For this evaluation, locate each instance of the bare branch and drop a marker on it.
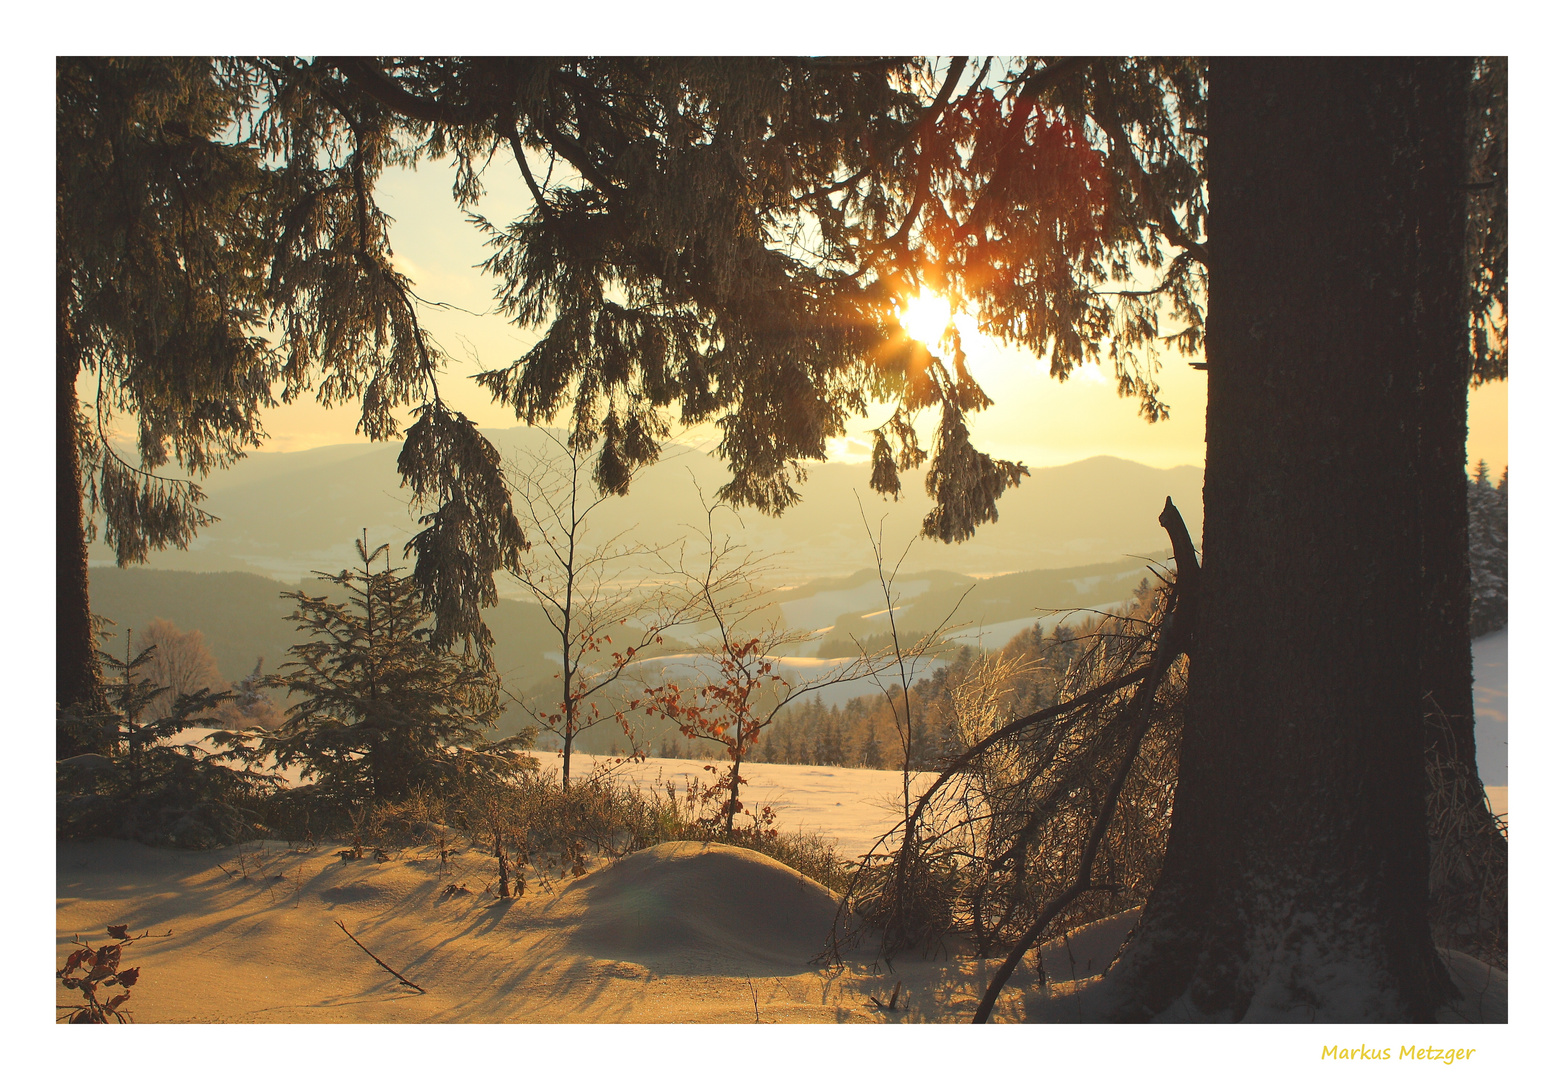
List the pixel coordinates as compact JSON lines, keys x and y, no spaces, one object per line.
{"x":404,"y":980}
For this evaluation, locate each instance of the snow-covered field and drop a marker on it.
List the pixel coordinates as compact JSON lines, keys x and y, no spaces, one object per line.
{"x":854,"y":807}
{"x":1491,"y":703}
{"x":857,"y":806}
{"x":821,"y":610}
{"x":680,"y":933}
{"x":1490,"y":697}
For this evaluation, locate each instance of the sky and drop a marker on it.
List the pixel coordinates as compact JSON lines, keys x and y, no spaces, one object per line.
{"x":1036,"y":420}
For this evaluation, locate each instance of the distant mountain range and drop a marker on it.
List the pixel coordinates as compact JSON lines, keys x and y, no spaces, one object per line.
{"x":285,"y":514}
{"x":1070,"y":537}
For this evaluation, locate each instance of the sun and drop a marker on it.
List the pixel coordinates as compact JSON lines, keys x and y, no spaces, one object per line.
{"x":925,"y":317}
{"x":928,"y":317}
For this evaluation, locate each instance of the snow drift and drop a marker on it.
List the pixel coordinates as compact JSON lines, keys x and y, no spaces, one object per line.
{"x":692,"y":908}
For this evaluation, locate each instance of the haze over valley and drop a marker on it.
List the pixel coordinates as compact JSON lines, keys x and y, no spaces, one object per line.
{"x":1067,"y":543}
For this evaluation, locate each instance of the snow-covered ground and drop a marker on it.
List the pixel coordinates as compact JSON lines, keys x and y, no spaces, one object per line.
{"x":820,"y":610}
{"x":996,"y":635}
{"x":677,"y":934}
{"x":852,"y":806}
{"x":1491,"y":703}
{"x":855,"y":807}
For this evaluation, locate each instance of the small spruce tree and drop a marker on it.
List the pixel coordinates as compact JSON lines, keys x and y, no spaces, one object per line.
{"x":383,"y":711}
{"x":251,"y":706}
{"x":144,"y":786}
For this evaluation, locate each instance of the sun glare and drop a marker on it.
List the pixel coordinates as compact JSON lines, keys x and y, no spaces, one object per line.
{"x":928,"y":316}
{"x":924,"y":317}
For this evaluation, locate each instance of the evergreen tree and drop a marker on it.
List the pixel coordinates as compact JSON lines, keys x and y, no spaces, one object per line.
{"x":1488,"y":531}
{"x":789,"y":745}
{"x":251,"y":706}
{"x":1309,"y":669}
{"x":143,"y":787}
{"x":218,"y":247}
{"x":382,"y":711}
{"x":872,"y":756}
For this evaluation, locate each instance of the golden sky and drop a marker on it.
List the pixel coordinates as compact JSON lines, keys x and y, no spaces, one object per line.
{"x":1036,"y":420}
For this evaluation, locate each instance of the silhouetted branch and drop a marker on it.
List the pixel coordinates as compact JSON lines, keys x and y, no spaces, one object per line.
{"x":1171,"y":642}
{"x":365,"y":76}
{"x":514,"y":135}
{"x":399,"y":976}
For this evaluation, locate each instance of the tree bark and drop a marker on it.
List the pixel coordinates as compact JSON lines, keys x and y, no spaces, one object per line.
{"x":78,"y":679}
{"x":733,"y":787}
{"x":1295,"y":882}
{"x":1445,"y":654}
{"x":1460,"y":822}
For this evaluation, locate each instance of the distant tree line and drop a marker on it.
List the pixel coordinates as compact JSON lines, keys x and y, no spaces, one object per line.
{"x":861,"y":732}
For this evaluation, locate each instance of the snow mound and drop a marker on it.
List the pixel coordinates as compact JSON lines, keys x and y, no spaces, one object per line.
{"x":1485,"y":991}
{"x":693,"y":907}
{"x":1088,"y":950}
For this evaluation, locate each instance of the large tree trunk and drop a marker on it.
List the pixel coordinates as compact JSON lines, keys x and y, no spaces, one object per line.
{"x":1444,"y":642}
{"x":1295,"y":883}
{"x":1460,"y":822}
{"x":77,"y":677}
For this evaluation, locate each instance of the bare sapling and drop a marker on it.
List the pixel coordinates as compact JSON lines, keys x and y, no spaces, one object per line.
{"x":746,"y":691}
{"x":500,"y":823}
{"x":591,"y":592}
{"x":898,"y":693}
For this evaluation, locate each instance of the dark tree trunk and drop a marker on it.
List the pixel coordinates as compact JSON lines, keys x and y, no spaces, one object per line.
{"x":1295,"y":883}
{"x":570,"y":737}
{"x":78,"y":681}
{"x":733,"y":790}
{"x":1463,"y":908}
{"x":1445,"y":640}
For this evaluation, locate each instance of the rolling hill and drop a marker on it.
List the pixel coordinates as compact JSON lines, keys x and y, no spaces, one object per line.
{"x":286,"y":514}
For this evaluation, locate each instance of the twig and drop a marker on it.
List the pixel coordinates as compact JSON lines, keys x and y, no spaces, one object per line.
{"x":399,"y":976}
{"x":895,"y":993}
